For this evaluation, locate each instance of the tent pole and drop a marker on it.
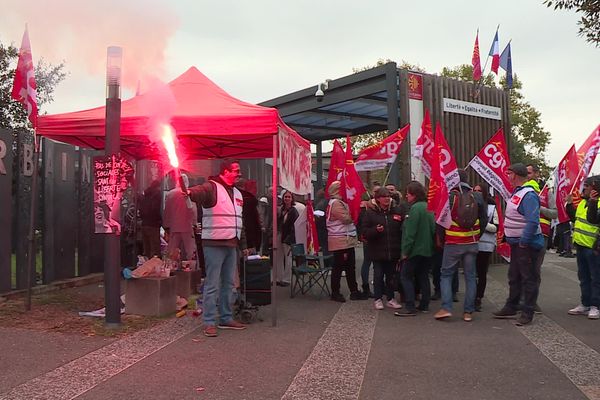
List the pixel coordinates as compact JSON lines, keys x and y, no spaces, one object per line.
{"x":31,"y":248}
{"x":274,"y":251}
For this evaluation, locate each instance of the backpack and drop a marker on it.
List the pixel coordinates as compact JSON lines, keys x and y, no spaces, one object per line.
{"x":465,"y":210}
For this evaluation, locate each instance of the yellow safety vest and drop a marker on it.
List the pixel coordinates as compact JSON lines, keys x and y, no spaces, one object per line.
{"x":584,"y":233}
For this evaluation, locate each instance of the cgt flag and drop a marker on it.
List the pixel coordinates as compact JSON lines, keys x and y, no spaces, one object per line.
{"x":476,"y":60}
{"x":446,"y":160}
{"x":566,"y":172}
{"x":586,"y":155}
{"x":491,"y":163}
{"x":438,"y":198}
{"x":380,"y":154}
{"x":424,"y":145}
{"x":24,"y":87}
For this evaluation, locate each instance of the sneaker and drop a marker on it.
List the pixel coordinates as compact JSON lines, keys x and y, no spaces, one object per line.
{"x":424,"y":310}
{"x":338,"y":297}
{"x":442,"y":314}
{"x":406,"y":313}
{"x":524,"y":319}
{"x":569,"y":255}
{"x":579,"y":310}
{"x":394,"y":304}
{"x":537,"y":309}
{"x":594,"y":313}
{"x":378,"y":304}
{"x":233,"y":324}
{"x":467,"y":317}
{"x":436,"y":296}
{"x":455,"y":298}
{"x":211,"y":331}
{"x":505,"y":313}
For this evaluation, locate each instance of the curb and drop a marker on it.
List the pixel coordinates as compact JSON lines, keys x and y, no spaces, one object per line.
{"x":55,"y":286}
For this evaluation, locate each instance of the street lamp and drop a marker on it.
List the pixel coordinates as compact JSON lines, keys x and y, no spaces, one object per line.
{"x":112,"y":245}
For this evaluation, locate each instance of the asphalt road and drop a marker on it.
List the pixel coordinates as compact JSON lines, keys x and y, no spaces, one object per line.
{"x":323,"y":350}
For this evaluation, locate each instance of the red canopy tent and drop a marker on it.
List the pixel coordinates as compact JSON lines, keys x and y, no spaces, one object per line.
{"x":209,"y":124}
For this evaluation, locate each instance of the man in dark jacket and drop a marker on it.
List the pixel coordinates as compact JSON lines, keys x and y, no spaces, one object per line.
{"x":382,"y":228}
{"x":151,"y":219}
{"x":222,"y":205}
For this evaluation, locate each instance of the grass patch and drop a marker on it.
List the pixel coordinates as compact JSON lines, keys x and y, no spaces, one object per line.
{"x":59,"y":312}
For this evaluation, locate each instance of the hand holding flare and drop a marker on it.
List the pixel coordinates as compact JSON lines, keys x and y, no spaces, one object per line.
{"x":169,"y":142}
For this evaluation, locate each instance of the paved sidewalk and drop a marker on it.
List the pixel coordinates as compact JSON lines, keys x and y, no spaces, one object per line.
{"x":324,"y":350}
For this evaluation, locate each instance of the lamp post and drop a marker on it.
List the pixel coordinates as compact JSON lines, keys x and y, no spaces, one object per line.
{"x":112,"y":246}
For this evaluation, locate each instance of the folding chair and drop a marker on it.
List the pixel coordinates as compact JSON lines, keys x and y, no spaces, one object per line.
{"x":308,"y":271}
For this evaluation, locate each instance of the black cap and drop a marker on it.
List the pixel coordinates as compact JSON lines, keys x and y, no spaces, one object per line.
{"x":519,"y":169}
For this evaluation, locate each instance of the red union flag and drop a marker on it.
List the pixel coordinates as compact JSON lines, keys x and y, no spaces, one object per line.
{"x":312,"y":240}
{"x":24,"y":87}
{"x":476,"y":60}
{"x":438,"y":199}
{"x":566,"y":172}
{"x":446,"y":160}
{"x":337,"y":165}
{"x":352,"y":183}
{"x":586,"y":155}
{"x":502,"y":247}
{"x":380,"y":154}
{"x":424,"y":145}
{"x":491,"y":163}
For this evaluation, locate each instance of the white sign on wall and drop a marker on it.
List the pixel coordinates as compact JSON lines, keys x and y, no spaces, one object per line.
{"x":472,"y":109}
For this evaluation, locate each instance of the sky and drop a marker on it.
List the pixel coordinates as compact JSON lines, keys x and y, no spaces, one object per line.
{"x":258,"y":50}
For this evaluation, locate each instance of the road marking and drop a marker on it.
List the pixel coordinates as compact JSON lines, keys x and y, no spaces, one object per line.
{"x":576,"y":360}
{"x":83,"y":374}
{"x":336,"y":367}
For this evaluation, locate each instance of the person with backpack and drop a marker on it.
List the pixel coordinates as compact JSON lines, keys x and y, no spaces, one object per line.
{"x":469,"y":219}
{"x":487,"y":242}
{"x":523,"y":234}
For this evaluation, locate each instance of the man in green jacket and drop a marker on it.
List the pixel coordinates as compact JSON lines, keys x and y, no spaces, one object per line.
{"x":417,"y":249}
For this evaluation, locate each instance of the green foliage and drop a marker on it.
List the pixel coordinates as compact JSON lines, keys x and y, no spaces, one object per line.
{"x":529,"y":139}
{"x":13,"y":115}
{"x":589,"y":24}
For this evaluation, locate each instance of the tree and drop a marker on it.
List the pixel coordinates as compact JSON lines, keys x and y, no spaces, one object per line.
{"x":529,"y":139}
{"x":13,"y":115}
{"x":589,"y":24}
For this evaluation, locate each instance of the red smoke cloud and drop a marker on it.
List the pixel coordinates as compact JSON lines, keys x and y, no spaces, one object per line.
{"x":79,"y":32}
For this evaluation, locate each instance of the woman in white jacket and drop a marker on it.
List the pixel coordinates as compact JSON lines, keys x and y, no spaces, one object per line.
{"x":487,"y":243}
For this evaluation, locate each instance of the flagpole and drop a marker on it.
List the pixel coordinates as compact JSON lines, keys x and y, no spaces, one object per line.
{"x":388,"y":174}
{"x":577,"y":179}
{"x":486,"y":61}
{"x":31,"y":264}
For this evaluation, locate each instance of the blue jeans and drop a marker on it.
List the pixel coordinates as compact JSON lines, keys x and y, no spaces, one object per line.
{"x":453,"y":254}
{"x":221,"y":266}
{"x":588,"y":272}
{"x":383,"y":269}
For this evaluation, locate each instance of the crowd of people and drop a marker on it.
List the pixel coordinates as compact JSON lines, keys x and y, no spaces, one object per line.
{"x":408,"y":251}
